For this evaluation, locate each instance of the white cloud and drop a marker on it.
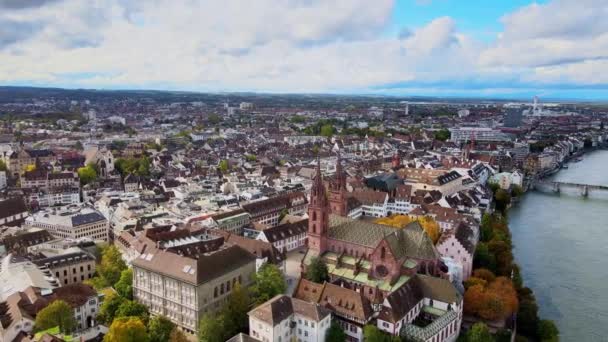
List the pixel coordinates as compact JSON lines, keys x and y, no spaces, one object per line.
{"x":289,"y":46}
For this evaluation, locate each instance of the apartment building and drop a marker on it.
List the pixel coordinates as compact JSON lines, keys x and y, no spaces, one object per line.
{"x":73,"y":266}
{"x":269,"y":211}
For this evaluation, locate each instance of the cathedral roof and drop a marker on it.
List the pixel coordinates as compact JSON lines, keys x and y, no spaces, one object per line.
{"x":411,"y":241}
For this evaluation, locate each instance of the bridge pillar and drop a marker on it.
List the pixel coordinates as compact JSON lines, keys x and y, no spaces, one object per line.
{"x":556,"y":187}
{"x":585,"y":191}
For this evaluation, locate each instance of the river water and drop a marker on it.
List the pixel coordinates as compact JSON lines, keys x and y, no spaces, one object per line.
{"x":561,"y":244}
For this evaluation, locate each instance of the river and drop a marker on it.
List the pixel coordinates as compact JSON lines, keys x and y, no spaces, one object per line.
{"x":561,"y":244}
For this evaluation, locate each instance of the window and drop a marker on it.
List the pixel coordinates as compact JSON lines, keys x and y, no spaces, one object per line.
{"x":382,"y":253}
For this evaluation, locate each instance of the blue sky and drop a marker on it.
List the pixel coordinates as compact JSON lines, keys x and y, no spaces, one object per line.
{"x":499,"y":48}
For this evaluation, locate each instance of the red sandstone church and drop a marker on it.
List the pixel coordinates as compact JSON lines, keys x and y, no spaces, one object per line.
{"x":370,"y":258}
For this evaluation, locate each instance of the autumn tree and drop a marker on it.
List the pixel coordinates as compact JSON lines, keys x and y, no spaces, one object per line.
{"x":57,"y":314}
{"x":474,"y":298}
{"x":178,"y":336}
{"x":127,"y":329}
{"x":484,"y":274}
{"x":317,"y":271}
{"x":267,"y":283}
{"x":160,"y":329}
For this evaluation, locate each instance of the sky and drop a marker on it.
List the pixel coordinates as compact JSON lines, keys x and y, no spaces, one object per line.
{"x":467,"y":48}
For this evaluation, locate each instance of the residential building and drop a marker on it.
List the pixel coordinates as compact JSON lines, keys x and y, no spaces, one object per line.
{"x":284,"y":319}
{"x":286,"y":237}
{"x":71,"y":266}
{"x":13,"y":211}
{"x":269,"y":211}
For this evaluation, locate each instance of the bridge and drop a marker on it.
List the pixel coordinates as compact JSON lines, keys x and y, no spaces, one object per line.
{"x":558,"y":187}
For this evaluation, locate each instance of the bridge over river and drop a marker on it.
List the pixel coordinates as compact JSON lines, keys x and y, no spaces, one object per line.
{"x":584,"y":190}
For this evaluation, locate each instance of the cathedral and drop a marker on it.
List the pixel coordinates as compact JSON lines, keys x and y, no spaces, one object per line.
{"x":369,"y":258}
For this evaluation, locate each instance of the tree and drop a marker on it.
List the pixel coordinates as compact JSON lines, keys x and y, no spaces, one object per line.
{"x":30,"y":168}
{"x":211,"y":329}
{"x":474,"y":298}
{"x":109,"y":307}
{"x":237,"y":307}
{"x":178,"y":336}
{"x":160,"y":329}
{"x":124,"y":286}
{"x":223,"y":166}
{"x":443,"y":134}
{"x":57,"y":314}
{"x":327,"y":130}
{"x":87,"y":174}
{"x":527,"y":316}
{"x":3,"y":165}
{"x":111,"y":265}
{"x":267,"y":283}
{"x":483,"y":258}
{"x":127,"y":329}
{"x":484,"y":274}
{"x":503,"y":199}
{"x":479,"y":332}
{"x":371,"y":333}
{"x":78,"y":145}
{"x":317,"y":271}
{"x":214,"y":119}
{"x":547,"y":331}
{"x":335,"y":333}
{"x":517,"y":191}
{"x":131,"y":308}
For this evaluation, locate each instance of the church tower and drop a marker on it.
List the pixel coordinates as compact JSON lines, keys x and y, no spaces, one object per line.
{"x":318,"y":214}
{"x":337,"y":190}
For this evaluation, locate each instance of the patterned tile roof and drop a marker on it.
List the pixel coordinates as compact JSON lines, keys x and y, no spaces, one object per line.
{"x":411,"y":241}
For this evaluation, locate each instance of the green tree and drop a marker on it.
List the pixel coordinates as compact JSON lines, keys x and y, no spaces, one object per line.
{"x":214,"y":119}
{"x":57,"y":314}
{"x":267,"y":283}
{"x":3,"y":165}
{"x":335,"y":333}
{"x":87,"y":174}
{"x":503,"y":199}
{"x":96,"y":282}
{"x":224,"y":166}
{"x":517,"y":191}
{"x":130,"y":308}
{"x":327,"y":130}
{"x":111,"y":265}
{"x":483,"y":258}
{"x":547,"y":331}
{"x":479,"y":333}
{"x":160,"y":329}
{"x":124,"y":286}
{"x":317,"y":271}
{"x":371,"y":333}
{"x":127,"y":329}
{"x":109,"y":307}
{"x":211,"y":329}
{"x":443,"y":134}
{"x":237,"y":307}
{"x":527,"y":316}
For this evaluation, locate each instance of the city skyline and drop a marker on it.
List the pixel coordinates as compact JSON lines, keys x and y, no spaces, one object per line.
{"x":512,"y":49}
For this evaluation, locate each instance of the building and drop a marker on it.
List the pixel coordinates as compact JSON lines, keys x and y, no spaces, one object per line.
{"x":3,"y":182}
{"x":283,"y":318}
{"x":351,"y":309}
{"x":232,"y":221}
{"x":41,"y":179}
{"x":459,"y":244}
{"x":269,"y":211}
{"x":18,"y":312}
{"x":72,"y":222}
{"x":513,"y":117}
{"x":22,"y":158}
{"x":17,"y":274}
{"x":464,"y":134}
{"x":72,"y":266}
{"x":185,"y":287}
{"x":41,"y":198}
{"x":13,"y":211}
{"x":286,"y":237}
